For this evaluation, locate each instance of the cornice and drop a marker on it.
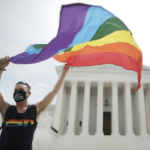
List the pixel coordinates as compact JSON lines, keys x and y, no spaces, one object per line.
{"x":103,"y":67}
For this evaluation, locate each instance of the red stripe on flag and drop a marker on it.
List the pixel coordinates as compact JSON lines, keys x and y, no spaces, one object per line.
{"x":115,"y":58}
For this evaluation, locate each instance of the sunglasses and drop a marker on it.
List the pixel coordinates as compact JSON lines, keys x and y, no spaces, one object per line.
{"x":24,"y":82}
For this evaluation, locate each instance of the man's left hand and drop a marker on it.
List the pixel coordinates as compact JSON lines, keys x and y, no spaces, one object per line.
{"x":66,"y":68}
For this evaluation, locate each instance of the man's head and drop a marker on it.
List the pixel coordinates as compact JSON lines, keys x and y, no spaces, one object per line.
{"x":21,"y":91}
{"x":24,"y":85}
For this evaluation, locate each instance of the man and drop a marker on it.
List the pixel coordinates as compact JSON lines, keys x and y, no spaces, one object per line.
{"x":20,"y":121}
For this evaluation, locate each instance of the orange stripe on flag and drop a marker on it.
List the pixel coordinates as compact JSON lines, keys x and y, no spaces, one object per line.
{"x":119,"y":47}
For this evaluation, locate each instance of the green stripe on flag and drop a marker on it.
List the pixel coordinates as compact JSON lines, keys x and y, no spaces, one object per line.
{"x":111,"y":25}
{"x":39,"y":46}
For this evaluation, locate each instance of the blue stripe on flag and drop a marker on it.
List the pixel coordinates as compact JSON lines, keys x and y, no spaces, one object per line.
{"x":32,"y":50}
{"x":95,"y":17}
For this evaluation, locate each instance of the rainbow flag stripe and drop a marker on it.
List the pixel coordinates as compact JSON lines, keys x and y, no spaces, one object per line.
{"x":88,"y":35}
{"x":20,"y":122}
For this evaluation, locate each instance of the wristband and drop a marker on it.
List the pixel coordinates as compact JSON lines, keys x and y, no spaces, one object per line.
{"x":2,"y":69}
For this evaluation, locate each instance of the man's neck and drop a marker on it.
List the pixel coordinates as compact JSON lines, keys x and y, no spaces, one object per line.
{"x":22,"y":105}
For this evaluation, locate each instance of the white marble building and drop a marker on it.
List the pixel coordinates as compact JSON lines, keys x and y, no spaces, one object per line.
{"x":96,"y":109}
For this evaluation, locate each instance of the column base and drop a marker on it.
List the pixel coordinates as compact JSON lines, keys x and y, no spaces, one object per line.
{"x":85,"y":134}
{"x":115,"y":134}
{"x":69,"y":134}
{"x":130,"y":134}
{"x":99,"y":134}
{"x":145,"y":134}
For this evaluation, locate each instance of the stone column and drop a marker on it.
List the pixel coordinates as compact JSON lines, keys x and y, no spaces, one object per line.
{"x":99,"y":130}
{"x":148,"y":107}
{"x":72,"y":109}
{"x":58,"y":110}
{"x":115,"y":118}
{"x":86,"y":107}
{"x":128,"y":109}
{"x":142,"y":112}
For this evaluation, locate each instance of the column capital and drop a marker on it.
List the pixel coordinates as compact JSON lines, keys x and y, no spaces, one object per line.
{"x":100,"y":82}
{"x":87,"y":82}
{"x":114,"y":82}
{"x":127,"y":83}
{"x":74,"y":81}
{"x":143,"y":84}
{"x":148,"y":85}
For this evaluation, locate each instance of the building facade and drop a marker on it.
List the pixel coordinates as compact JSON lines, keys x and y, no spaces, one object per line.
{"x":96,"y":109}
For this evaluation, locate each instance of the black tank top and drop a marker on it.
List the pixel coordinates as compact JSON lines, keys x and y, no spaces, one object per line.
{"x":18,"y":131}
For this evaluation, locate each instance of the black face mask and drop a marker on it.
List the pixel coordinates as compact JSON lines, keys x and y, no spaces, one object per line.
{"x":19,"y":96}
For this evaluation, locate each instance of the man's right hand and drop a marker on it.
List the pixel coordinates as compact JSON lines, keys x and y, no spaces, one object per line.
{"x":4,"y":62}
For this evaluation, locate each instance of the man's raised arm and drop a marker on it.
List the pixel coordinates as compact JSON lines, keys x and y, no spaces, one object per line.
{"x":3,"y":104}
{"x":42,"y":105}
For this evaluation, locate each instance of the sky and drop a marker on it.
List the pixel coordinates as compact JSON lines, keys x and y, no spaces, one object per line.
{"x":26,"y":22}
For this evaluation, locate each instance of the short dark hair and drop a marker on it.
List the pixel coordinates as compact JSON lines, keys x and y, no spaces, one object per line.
{"x":24,"y":83}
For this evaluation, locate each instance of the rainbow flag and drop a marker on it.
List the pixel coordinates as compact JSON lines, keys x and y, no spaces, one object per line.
{"x":20,"y":122}
{"x":88,"y":35}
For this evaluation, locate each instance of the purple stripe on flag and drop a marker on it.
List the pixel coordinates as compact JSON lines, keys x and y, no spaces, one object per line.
{"x":71,"y":21}
{"x":23,"y":58}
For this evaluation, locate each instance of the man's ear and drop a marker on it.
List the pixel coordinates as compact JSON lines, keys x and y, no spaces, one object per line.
{"x":29,"y":93}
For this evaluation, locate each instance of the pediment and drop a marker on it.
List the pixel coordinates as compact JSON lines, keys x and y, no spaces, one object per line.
{"x":102,"y":67}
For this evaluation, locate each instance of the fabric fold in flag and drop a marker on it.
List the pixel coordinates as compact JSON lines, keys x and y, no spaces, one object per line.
{"x":88,"y":35}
